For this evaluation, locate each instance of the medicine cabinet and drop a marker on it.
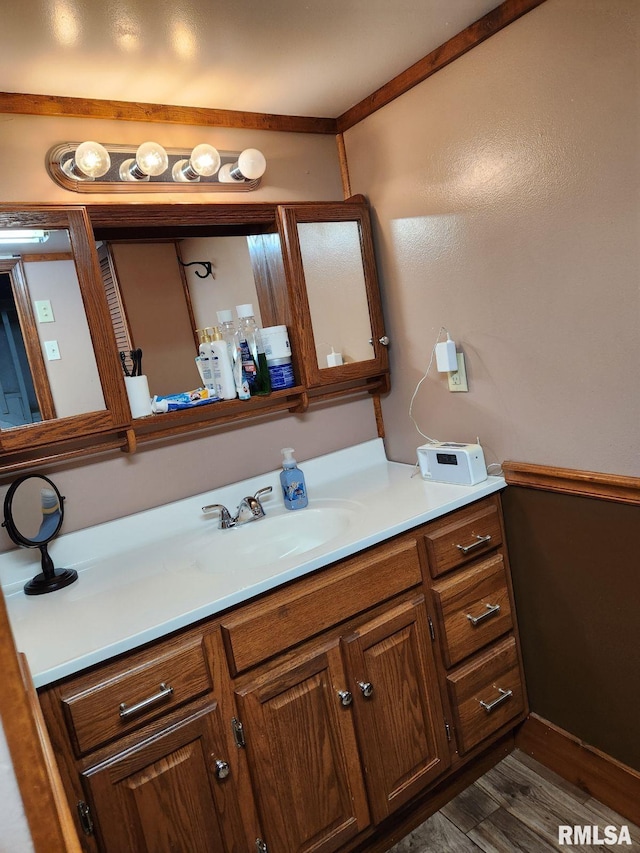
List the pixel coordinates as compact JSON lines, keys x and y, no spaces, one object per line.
{"x":309,"y":266}
{"x":57,"y":382}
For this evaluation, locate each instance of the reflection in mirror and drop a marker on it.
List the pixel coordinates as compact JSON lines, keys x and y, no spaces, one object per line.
{"x":157,"y":303}
{"x":336,"y":290}
{"x":47,"y":365}
{"x":33,"y":515}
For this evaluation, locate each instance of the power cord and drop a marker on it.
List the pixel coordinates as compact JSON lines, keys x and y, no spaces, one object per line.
{"x":426,"y":373}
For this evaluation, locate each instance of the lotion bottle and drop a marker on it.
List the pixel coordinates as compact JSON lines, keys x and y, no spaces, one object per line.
{"x":221,"y":365}
{"x":203,"y":361}
{"x":294,"y":489}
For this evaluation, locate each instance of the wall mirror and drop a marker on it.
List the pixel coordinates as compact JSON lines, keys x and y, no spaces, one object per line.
{"x":47,"y":365}
{"x":308,"y":266}
{"x":57,"y":349}
{"x":161,"y":291}
{"x":336,"y":290}
{"x":33,"y":516}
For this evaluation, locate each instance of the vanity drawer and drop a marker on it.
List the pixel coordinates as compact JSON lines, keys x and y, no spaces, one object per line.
{"x":473,"y":608}
{"x":102,"y":706}
{"x":486,"y":693}
{"x":463,"y":536}
{"x":289,"y":616}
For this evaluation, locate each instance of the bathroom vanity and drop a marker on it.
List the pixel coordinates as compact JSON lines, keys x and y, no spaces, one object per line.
{"x":299,"y":683}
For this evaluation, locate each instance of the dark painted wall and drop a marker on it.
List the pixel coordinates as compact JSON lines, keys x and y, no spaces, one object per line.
{"x":576,"y":574}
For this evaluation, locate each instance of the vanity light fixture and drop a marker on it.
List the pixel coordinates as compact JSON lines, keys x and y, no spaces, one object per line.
{"x":106,"y":168}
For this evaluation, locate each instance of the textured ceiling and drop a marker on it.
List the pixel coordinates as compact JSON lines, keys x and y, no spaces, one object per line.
{"x":292,"y":57}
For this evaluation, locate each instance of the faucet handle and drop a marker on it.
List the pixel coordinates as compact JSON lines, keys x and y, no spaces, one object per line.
{"x":225,"y":516}
{"x":258,"y":509}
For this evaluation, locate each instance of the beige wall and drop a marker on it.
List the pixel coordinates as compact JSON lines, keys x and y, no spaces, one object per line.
{"x":506,"y":198}
{"x":149,"y":278}
{"x":15,"y":834}
{"x":73,"y":378}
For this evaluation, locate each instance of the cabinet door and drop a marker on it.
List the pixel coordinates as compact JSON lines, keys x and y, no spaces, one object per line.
{"x":165,"y":795}
{"x":330,"y":266}
{"x":397,"y":705}
{"x":303,"y":757}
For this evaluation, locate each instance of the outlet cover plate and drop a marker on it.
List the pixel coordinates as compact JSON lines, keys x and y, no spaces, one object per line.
{"x":458,"y":378}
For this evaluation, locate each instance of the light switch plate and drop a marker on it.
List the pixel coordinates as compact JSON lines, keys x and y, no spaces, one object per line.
{"x":52,"y":350}
{"x":44,"y":312}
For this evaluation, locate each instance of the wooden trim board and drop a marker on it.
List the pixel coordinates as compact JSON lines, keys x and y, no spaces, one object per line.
{"x":591,"y":484}
{"x":600,"y":775}
{"x":506,"y":13}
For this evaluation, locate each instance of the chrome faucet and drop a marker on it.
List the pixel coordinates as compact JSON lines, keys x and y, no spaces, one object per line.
{"x":249,"y":509}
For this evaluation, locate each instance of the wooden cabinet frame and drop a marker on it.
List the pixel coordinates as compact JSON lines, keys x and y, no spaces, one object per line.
{"x":280,"y":288}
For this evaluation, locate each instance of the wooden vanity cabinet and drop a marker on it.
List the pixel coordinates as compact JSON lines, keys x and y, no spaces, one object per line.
{"x":306,"y":718}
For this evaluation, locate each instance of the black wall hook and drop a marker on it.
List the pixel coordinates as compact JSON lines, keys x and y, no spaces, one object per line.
{"x":208,"y":266}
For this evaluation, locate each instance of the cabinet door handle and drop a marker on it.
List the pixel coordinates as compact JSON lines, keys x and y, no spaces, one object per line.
{"x":345,"y":697}
{"x":131,"y":710}
{"x":491,"y":610}
{"x":480,"y":540}
{"x":366,"y":687}
{"x":504,"y":696}
{"x":222,"y":768}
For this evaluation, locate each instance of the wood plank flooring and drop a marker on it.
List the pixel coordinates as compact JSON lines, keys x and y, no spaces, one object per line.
{"x":517,"y":807}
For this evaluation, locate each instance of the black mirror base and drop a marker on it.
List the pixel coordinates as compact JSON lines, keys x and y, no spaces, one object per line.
{"x":41,"y":584}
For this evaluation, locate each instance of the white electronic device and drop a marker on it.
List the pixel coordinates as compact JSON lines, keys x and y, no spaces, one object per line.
{"x":450,"y":462}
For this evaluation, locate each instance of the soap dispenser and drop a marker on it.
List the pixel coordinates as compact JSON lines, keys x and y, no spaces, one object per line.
{"x":294,"y":490}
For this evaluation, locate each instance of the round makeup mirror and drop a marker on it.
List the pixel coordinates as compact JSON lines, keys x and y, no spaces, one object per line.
{"x":33,"y":514}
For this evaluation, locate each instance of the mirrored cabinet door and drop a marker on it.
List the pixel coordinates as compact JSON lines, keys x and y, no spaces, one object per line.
{"x":333,"y":282}
{"x":58,"y":378}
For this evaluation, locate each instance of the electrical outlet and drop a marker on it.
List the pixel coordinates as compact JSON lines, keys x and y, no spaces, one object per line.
{"x":52,"y":350}
{"x":44,"y":311}
{"x":458,"y":378}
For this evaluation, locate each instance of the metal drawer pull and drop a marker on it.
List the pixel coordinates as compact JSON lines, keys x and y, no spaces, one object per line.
{"x":163,"y":693}
{"x":480,"y":540}
{"x":366,"y":687}
{"x":492,"y":610}
{"x":504,"y":696}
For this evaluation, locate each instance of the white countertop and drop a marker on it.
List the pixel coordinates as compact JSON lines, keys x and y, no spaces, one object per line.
{"x":151,"y":573}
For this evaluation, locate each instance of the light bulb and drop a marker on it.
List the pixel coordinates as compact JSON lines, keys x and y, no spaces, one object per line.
{"x":250,"y":166}
{"x":91,"y":160}
{"x":204,"y":160}
{"x":152,"y":159}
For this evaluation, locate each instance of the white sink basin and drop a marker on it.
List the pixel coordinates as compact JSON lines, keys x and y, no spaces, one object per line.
{"x":278,"y":536}
{"x":242,"y":550}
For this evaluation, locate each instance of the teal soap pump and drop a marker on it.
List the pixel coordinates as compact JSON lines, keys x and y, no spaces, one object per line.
{"x":294,"y":489}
